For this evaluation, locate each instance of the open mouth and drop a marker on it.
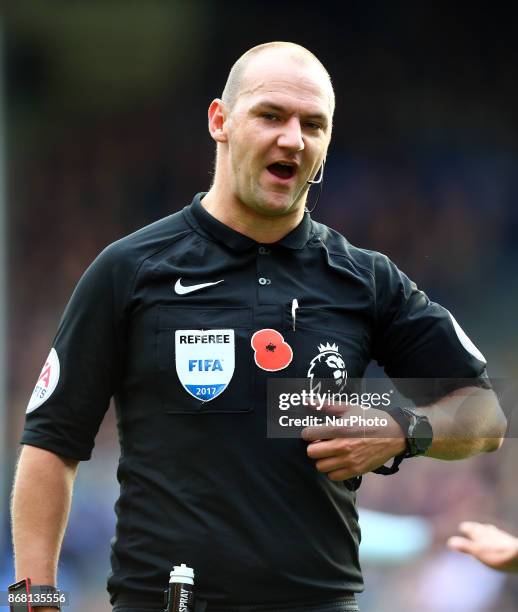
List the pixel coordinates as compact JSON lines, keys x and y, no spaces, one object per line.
{"x":282,"y":171}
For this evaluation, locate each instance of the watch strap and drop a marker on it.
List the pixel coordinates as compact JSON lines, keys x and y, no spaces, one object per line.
{"x":42,"y":590}
{"x":20,"y":588}
{"x":403,"y":420}
{"x":387,"y":470}
{"x":39,"y":595}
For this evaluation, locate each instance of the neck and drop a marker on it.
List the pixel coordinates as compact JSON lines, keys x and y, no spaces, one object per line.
{"x":228,"y":209}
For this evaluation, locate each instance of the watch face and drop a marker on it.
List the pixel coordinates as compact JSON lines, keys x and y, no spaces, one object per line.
{"x":422,"y":435}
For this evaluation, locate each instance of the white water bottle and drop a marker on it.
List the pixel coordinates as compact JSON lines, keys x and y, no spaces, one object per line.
{"x":180,"y":596}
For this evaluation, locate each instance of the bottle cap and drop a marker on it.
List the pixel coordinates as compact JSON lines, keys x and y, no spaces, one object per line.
{"x":182,"y":573}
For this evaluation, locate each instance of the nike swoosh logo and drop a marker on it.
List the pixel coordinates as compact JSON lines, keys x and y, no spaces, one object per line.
{"x":181,"y":290}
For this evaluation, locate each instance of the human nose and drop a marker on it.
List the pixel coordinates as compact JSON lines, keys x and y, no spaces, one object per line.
{"x":291,"y":136}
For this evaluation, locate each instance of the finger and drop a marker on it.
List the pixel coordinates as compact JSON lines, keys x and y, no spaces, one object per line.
{"x":326,"y":448}
{"x":334,"y":409}
{"x":460,"y":544}
{"x":317,"y":432}
{"x":332,"y":464}
{"x":342,"y":474}
{"x":338,"y":409}
{"x":470,"y":528}
{"x":329,"y":432}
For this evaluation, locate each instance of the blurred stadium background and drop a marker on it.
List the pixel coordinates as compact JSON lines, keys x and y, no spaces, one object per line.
{"x":105,"y":130}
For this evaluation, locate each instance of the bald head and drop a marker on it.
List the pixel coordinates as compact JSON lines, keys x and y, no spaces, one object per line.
{"x":276,"y":112}
{"x":237,"y":78}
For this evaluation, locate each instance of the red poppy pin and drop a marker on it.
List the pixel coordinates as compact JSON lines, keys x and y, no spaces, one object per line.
{"x":271,"y":352}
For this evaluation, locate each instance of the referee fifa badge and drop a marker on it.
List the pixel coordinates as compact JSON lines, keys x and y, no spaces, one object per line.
{"x":205,"y":361}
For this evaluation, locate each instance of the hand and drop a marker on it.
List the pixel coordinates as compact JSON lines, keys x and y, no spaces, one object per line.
{"x":342,"y":451}
{"x":490,"y":545}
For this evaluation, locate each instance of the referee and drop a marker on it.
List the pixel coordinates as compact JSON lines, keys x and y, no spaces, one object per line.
{"x":183,"y":323}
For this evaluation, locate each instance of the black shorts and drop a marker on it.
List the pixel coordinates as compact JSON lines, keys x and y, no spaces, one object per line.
{"x":343,"y":604}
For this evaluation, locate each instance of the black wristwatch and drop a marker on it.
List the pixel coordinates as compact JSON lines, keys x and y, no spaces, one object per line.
{"x":418,"y":434}
{"x":24,"y":596}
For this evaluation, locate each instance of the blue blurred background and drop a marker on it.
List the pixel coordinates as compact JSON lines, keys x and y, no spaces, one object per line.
{"x":106,"y":131}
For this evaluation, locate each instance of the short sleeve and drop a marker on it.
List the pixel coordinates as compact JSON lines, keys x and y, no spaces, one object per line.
{"x":83,"y":369}
{"x":416,"y":338}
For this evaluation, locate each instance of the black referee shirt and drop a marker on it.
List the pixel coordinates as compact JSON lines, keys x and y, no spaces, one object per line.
{"x":201,"y":483}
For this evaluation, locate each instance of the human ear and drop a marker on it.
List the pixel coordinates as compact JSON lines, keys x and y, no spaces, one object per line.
{"x":217,"y":120}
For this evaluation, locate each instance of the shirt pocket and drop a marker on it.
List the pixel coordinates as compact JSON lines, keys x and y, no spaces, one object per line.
{"x":329,"y":344}
{"x":204,"y":360}
{"x":327,"y":340}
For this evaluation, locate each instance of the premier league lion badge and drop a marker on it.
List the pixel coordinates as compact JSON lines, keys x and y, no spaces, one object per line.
{"x":328,"y":364}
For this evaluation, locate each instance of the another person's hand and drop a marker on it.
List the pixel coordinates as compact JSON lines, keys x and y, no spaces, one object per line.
{"x":490,"y":545}
{"x":344,"y":451}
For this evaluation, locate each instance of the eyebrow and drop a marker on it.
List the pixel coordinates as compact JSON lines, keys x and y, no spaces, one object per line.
{"x":266,"y":105}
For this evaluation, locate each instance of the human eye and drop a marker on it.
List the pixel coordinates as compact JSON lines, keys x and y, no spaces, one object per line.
{"x":313,"y":125}
{"x":270,"y":116}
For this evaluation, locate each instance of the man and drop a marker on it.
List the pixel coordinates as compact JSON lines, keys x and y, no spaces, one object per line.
{"x":492,"y":546}
{"x":185,"y":321}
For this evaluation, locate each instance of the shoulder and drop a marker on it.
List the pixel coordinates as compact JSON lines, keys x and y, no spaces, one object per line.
{"x":126,"y":255}
{"x":148,"y":240}
{"x":115,"y":269}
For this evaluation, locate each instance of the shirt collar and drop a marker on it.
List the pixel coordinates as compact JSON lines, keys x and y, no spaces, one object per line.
{"x":198,"y":216}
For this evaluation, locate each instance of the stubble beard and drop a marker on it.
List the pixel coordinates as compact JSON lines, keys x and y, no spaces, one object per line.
{"x":266,"y":202}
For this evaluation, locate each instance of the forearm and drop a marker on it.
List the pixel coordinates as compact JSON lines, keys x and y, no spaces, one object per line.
{"x":465,"y":422}
{"x":40,"y":506}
